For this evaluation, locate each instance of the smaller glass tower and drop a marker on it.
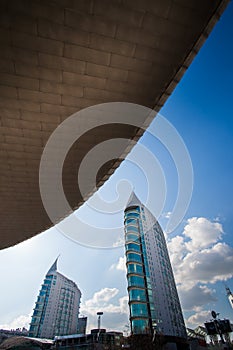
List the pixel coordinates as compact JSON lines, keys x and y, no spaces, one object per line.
{"x":57,"y":306}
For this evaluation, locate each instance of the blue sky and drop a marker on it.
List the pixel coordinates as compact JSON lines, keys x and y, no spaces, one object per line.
{"x":201,"y":110}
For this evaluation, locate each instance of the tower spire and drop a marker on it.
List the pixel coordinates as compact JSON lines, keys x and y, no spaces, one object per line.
{"x":53,"y":268}
{"x":133,"y":200}
{"x":228,"y":290}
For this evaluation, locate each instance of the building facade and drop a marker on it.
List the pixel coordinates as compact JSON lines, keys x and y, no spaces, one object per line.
{"x":153,"y":299}
{"x":57,"y":306}
{"x":82,"y":325}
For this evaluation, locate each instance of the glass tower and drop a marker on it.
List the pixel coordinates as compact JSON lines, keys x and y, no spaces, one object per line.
{"x":57,"y":306}
{"x":153,"y":299}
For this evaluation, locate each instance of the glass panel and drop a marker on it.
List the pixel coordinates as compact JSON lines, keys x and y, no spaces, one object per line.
{"x":133,"y":246}
{"x":136,"y":281}
{"x":140,"y":326}
{"x":131,"y":215}
{"x":131,"y":221}
{"x":138,"y":310}
{"x":137,"y":295}
{"x":135,"y":268}
{"x":131,"y":228}
{"x":132,"y":237}
{"x":133,"y":257}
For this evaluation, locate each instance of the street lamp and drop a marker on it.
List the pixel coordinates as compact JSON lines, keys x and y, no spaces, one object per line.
{"x":99,"y":314}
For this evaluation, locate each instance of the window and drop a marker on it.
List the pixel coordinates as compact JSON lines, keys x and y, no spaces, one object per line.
{"x":137,"y":295}
{"x":133,"y":246}
{"x":140,"y":326}
{"x":131,"y":220}
{"x":132,"y":237}
{"x":135,"y":268}
{"x":133,"y":257}
{"x":138,"y":310}
{"x":136,"y":281}
{"x":132,"y":215}
{"x":131,"y":228}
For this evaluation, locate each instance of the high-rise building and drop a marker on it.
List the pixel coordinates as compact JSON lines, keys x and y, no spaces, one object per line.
{"x":153,"y":299}
{"x":230,"y":296}
{"x":82,"y":325}
{"x":57,"y":306}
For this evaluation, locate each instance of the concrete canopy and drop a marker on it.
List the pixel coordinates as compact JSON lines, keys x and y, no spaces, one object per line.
{"x":60,"y":56}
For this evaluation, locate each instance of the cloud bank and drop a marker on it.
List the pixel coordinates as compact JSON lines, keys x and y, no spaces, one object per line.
{"x":199,"y":259}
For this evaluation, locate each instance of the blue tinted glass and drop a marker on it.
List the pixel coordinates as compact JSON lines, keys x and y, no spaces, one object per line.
{"x":134,"y":268}
{"x":131,"y":215}
{"x":138,"y":310}
{"x":133,"y":257}
{"x":132,"y":237}
{"x":140,"y":326}
{"x":137,"y":295}
{"x":131,"y":229}
{"x":136,"y":281}
{"x":47,"y":281}
{"x":133,"y":246}
{"x":131,"y":221}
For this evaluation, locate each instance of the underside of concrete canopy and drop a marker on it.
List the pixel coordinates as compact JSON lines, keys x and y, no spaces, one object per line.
{"x":60,"y":56}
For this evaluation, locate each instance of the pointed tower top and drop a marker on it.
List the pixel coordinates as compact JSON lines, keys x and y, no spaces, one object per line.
{"x":228,"y":290}
{"x":133,"y":200}
{"x":53,"y":268}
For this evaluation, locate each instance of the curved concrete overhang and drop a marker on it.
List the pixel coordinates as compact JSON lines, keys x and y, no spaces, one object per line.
{"x":60,"y":56}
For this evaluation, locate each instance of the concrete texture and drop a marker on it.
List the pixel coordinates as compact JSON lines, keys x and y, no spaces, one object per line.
{"x":59,"y":56}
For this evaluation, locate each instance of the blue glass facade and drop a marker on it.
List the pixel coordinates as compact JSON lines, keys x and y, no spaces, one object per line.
{"x":140,"y":302}
{"x":153,"y":300}
{"x":40,"y":308}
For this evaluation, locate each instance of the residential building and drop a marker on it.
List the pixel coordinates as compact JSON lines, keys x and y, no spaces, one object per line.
{"x":82,"y":325}
{"x":57,"y":306}
{"x":153,"y":300}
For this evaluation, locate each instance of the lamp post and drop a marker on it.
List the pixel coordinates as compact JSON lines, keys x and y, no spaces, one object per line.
{"x":99,"y":314}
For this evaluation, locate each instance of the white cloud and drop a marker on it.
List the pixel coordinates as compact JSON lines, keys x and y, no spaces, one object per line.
{"x":115,"y":310}
{"x":199,"y":257}
{"x":120,"y":242}
{"x":198,"y":318}
{"x":167,"y":215}
{"x":204,"y":266}
{"x":195,"y":297}
{"x":19,"y":322}
{"x":202,"y":233}
{"x":120,"y":265}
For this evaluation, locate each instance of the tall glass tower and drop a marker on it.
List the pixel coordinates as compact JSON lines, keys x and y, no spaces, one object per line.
{"x":57,"y":306}
{"x":153,"y":299}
